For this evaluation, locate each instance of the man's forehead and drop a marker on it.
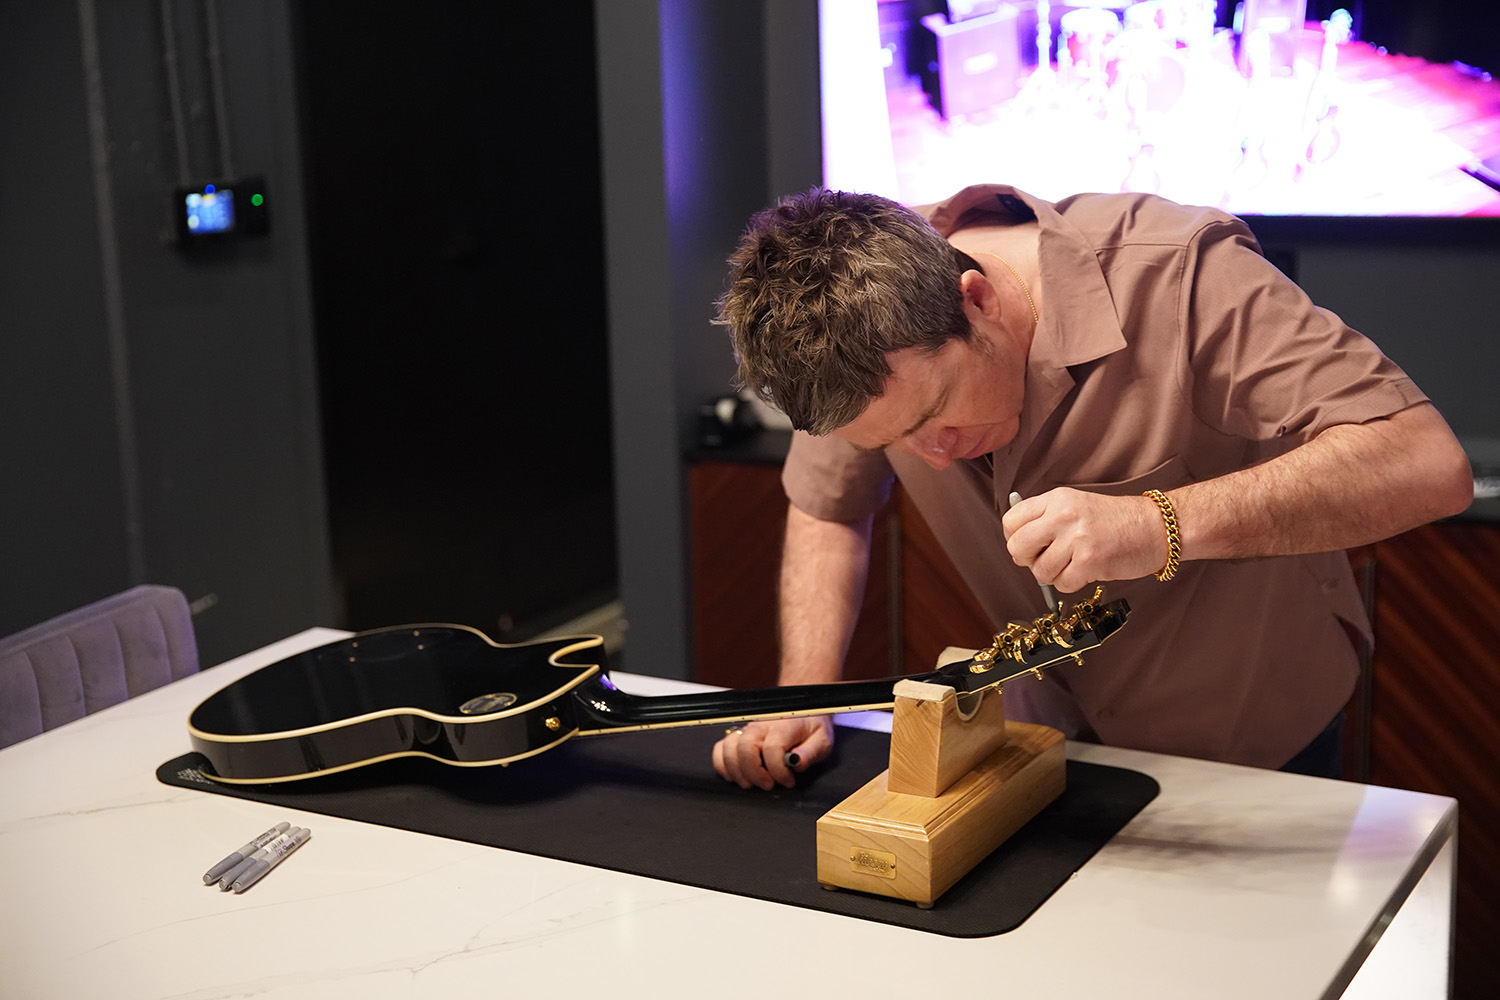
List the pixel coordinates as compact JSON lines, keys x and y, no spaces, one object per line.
{"x":915,"y":391}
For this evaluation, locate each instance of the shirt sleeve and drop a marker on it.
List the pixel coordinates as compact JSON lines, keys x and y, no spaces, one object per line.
{"x":830,"y":479}
{"x":1266,"y":362}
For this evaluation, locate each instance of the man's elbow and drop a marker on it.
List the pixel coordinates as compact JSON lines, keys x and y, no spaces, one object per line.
{"x":1442,"y":481}
{"x":1453,"y":483}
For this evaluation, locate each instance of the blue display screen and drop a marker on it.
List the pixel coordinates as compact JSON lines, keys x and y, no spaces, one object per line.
{"x":210,"y":211}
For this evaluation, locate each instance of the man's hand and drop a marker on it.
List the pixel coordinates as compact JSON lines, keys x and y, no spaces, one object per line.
{"x":1071,"y":539}
{"x":755,"y":756}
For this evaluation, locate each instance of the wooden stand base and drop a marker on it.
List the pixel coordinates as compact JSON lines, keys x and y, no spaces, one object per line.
{"x":916,"y":846}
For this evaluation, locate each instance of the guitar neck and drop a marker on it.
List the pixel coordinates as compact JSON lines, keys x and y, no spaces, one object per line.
{"x":1020,"y":649}
{"x":605,"y":709}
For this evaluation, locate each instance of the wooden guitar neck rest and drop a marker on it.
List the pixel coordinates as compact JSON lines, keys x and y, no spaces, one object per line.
{"x":960,"y":782}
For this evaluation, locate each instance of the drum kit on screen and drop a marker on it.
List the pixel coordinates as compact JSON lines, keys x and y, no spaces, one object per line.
{"x":1181,"y":94}
{"x":1141,"y":51}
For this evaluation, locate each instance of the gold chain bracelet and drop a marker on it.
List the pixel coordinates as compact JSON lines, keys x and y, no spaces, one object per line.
{"x":1174,"y":540}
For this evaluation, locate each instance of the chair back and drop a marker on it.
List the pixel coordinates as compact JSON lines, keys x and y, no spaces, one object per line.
{"x":93,"y":657}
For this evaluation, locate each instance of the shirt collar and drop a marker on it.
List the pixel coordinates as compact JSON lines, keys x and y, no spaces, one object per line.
{"x":1079,"y":322}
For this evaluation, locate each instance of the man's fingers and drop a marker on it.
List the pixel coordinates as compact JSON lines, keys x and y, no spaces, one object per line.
{"x":727,"y":759}
{"x":783,"y":762}
{"x":766,"y":754}
{"x":1019,"y":516}
{"x":1028,"y":544}
{"x":747,"y":749}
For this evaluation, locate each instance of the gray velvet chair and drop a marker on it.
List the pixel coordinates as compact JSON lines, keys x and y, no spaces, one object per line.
{"x":94,"y":657}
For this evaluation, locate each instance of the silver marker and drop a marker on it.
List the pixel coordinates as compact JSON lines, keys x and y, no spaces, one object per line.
{"x":227,"y":880}
{"x":276,"y":852}
{"x":1048,"y":594}
{"x":217,"y":871}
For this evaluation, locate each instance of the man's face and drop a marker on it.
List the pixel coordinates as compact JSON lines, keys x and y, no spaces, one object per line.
{"x":962,"y":402}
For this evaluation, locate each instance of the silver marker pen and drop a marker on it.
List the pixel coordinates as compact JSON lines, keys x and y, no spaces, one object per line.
{"x":217,"y":871}
{"x":277,"y":851}
{"x":1048,"y":594}
{"x":227,"y":880}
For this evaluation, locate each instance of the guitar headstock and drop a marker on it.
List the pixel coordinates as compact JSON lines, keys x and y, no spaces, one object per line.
{"x":1026,"y":647}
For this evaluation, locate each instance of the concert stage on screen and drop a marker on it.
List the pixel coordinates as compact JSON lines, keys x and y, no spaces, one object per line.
{"x":1285,"y":116}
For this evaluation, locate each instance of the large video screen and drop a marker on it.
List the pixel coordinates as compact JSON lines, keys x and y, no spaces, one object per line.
{"x":1275,"y":113}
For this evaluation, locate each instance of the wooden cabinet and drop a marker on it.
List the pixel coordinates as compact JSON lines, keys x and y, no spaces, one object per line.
{"x":914,"y":603}
{"x":1435,"y":708}
{"x":738,"y":522}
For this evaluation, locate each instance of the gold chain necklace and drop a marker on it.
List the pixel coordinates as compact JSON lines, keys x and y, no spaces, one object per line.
{"x":1036,"y":320}
{"x":1035,"y":317}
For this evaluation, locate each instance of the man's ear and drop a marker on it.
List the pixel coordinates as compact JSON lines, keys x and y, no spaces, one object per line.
{"x":979,"y":293}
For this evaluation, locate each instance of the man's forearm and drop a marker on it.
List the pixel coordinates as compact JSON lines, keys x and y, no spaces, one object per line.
{"x":1351,"y":485}
{"x":823,"y":570}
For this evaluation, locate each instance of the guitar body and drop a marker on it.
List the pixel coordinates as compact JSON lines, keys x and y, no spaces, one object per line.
{"x":440,"y":691}
{"x":449,"y":693}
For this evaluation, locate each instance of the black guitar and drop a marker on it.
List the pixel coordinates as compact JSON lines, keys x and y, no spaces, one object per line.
{"x":448,"y":692}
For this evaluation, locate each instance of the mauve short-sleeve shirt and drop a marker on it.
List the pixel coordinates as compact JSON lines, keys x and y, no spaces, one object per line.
{"x":1170,"y":351}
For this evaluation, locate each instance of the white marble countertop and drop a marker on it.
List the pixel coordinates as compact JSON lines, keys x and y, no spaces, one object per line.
{"x":1233,"y":882}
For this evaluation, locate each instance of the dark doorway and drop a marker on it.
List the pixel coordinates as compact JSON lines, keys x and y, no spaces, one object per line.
{"x":453,"y":192}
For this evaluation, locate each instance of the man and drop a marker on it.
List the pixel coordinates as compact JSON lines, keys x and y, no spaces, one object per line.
{"x":1084,"y":354}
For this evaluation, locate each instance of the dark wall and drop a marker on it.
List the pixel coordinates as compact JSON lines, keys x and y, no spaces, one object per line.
{"x":159,"y":419}
{"x":691,"y":147}
{"x":1433,"y":308}
{"x":59,"y":443}
{"x":452,"y":157}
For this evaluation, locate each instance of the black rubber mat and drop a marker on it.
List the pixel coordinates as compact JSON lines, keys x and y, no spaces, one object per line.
{"x":649,"y":804}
